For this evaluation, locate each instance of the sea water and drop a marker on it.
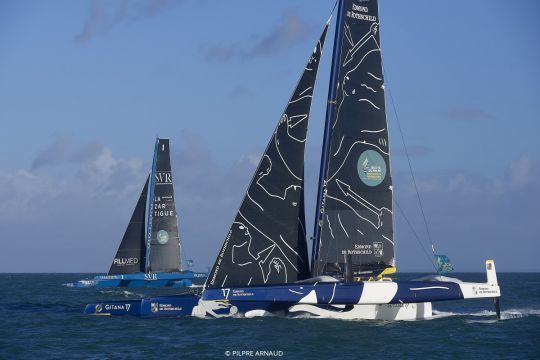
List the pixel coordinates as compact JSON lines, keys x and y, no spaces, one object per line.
{"x":41,"y":316}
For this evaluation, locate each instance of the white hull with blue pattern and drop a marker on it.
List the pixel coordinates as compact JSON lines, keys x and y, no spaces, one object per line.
{"x":383,"y":299}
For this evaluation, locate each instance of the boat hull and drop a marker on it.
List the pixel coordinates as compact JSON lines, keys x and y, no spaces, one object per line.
{"x":248,"y":309}
{"x":169,"y":306}
{"x":376,"y":292}
{"x":387,"y":300}
{"x":160,"y":306}
{"x":114,"y":308}
{"x":174,"y":280}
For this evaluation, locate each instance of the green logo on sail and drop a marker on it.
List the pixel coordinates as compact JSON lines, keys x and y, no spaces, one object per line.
{"x":162,"y":237}
{"x":371,"y":168}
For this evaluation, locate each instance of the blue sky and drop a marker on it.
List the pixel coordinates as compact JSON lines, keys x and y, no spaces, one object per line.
{"x":85,"y":86}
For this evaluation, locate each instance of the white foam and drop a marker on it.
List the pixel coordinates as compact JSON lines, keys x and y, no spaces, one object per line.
{"x":125,"y":293}
{"x":505,"y":314}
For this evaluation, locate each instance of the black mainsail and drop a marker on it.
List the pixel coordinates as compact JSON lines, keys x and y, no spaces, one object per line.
{"x":163,"y":243}
{"x":266,"y":243}
{"x":130,"y":257}
{"x":354,"y":221}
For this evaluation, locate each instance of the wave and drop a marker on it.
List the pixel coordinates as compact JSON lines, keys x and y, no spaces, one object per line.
{"x":124,"y":293}
{"x":507,"y":314}
{"x":69,"y":284}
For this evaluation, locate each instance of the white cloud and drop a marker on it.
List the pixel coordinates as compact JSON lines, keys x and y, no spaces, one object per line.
{"x":23,"y":191}
{"x":515,"y":176}
{"x":59,"y":175}
{"x":519,"y":172}
{"x":252,"y":159}
{"x":105,"y":15}
{"x":289,"y":31}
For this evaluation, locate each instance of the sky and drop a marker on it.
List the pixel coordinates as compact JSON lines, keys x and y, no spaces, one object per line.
{"x":86,"y":86}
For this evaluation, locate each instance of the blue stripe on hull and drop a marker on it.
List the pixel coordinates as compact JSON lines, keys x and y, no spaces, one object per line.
{"x":336,"y":293}
{"x":422,"y":291}
{"x":176,"y":280}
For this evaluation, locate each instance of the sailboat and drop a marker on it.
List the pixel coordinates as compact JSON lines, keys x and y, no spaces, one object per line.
{"x":149,"y":253}
{"x":263,"y":266}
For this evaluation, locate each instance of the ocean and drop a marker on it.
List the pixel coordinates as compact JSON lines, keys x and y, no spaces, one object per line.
{"x":42,"y":317}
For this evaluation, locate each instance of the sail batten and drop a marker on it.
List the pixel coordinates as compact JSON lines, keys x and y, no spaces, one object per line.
{"x":354,"y":219}
{"x":266,"y":243}
{"x":131,"y":255}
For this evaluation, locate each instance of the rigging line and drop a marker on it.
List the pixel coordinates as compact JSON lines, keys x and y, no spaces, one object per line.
{"x":334,"y":8}
{"x":410,"y":166}
{"x":180,"y":252}
{"x":415,"y":234}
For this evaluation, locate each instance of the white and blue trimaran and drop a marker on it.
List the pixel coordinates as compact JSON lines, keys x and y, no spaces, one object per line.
{"x":263,"y":266}
{"x":149,"y":254}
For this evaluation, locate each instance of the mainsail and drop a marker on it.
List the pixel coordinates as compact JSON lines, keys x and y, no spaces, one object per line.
{"x":354,"y":221}
{"x":266,"y":243}
{"x":130,"y":257}
{"x":162,"y":239}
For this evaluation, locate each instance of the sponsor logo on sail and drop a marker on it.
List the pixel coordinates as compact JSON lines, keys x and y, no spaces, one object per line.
{"x":125,"y":261}
{"x":162,"y":237}
{"x":359,"y":249}
{"x":160,"y":210}
{"x":378,"y":249}
{"x":371,"y":168}
{"x":360,"y":13}
{"x":163,"y":178}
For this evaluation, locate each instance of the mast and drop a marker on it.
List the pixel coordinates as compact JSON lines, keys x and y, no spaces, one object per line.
{"x":150,"y":207}
{"x":354,"y":219}
{"x":332,"y":88}
{"x":163,"y":240}
{"x":131,"y":254}
{"x":266,"y":243}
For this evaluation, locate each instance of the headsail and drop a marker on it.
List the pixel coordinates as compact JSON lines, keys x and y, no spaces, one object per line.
{"x":162,"y":239}
{"x":354,"y":222}
{"x":130,"y":257}
{"x":266,"y":243}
